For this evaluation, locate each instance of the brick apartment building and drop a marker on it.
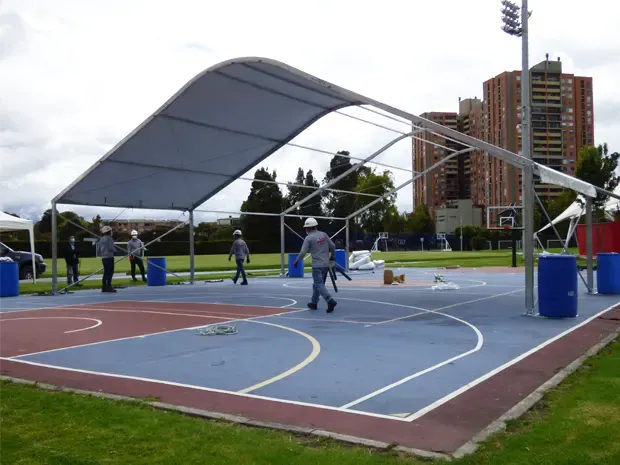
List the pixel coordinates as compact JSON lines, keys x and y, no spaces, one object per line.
{"x":562,"y":122}
{"x":561,"y":118}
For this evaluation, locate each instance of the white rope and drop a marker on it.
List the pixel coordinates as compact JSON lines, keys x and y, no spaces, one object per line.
{"x":218,"y":330}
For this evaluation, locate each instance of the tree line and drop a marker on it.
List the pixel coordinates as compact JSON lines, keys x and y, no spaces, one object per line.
{"x":266,"y":196}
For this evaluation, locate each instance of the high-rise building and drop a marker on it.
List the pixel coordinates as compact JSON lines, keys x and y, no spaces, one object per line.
{"x":471,"y":168}
{"x":562,"y":123}
{"x":441,"y":184}
{"x":561,"y":119}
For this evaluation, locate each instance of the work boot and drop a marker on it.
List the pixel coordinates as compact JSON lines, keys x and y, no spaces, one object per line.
{"x":312,"y":306}
{"x":244,"y":283}
{"x":331,"y":305}
{"x":233,"y":280}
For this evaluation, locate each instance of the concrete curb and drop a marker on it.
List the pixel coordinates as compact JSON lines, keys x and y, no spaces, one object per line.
{"x":238,"y":419}
{"x":530,"y":401}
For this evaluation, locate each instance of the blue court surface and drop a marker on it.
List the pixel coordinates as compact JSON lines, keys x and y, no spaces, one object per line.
{"x":395,"y":352}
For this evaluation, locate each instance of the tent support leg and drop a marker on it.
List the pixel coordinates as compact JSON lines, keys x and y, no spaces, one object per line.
{"x":282,"y":248}
{"x":191,"y":247}
{"x":589,"y":245}
{"x":347,"y":247}
{"x":54,"y":249}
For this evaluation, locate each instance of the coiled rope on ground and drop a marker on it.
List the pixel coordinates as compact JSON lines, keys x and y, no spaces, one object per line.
{"x":218,"y":330}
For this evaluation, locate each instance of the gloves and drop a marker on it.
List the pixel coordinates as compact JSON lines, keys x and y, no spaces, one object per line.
{"x":228,"y":258}
{"x":248,"y":259}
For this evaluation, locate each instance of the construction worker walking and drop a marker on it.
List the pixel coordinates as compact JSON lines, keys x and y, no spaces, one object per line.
{"x":321,"y":248}
{"x":135,"y":249}
{"x":106,"y":252}
{"x":241,"y":252}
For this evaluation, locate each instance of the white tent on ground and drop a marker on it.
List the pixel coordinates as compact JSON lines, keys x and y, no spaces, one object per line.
{"x":12,"y":223}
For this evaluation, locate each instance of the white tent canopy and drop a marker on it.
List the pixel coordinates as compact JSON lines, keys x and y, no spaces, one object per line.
{"x":12,"y":223}
{"x":577,"y":209}
{"x":225,"y":121}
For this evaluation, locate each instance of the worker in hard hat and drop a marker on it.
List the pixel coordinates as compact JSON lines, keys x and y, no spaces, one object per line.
{"x":106,"y":252}
{"x":241,"y":252}
{"x":135,"y":250}
{"x":321,"y":248}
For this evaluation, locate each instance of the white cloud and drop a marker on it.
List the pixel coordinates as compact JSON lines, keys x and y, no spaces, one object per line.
{"x":76,"y":76}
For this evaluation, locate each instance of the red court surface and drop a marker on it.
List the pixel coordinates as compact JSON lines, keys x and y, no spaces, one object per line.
{"x":443,"y":429}
{"x":31,"y":331}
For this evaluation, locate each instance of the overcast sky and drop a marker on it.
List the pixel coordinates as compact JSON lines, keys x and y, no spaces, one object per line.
{"x":77,"y":75}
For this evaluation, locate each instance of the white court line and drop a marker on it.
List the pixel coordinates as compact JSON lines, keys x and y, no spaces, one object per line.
{"x":450,"y":306}
{"x":190,"y":386}
{"x":202,"y":388}
{"x":491,"y":373}
{"x":98,"y":322}
{"x":478,"y":346}
{"x":140,"y":336}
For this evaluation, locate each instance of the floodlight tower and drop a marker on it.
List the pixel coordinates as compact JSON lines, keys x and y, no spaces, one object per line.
{"x":516,"y":24}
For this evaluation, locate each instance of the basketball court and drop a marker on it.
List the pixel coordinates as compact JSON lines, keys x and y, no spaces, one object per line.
{"x":422,"y":368}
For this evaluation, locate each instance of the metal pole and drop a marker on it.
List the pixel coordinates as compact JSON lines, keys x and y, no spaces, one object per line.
{"x":528,"y":239}
{"x":589,"y":247}
{"x":191,"y":247}
{"x":351,"y":170}
{"x":282,"y":246}
{"x":346,"y":242}
{"x":54,"y":249}
{"x":409,"y":181}
{"x":527,"y":180}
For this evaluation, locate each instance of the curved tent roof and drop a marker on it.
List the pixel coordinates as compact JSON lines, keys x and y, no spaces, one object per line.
{"x":222,"y":123}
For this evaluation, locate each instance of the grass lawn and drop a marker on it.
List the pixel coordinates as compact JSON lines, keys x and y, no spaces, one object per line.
{"x":577,"y":423}
{"x":263,"y":261}
{"x":31,"y":288}
{"x":214,"y":263}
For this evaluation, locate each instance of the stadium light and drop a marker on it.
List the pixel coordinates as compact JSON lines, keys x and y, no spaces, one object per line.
{"x":515,"y":21}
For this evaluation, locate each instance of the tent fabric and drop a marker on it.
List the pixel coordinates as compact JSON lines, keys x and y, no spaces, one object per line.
{"x":221,"y":124}
{"x":12,"y":223}
{"x":577,"y":208}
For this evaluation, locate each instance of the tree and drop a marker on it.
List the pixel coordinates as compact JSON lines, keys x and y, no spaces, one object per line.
{"x":557,"y":206}
{"x":339,"y":204}
{"x":598,"y":167}
{"x":395,"y":222}
{"x":311,"y":208}
{"x":369,"y":182}
{"x":421,"y":221}
{"x":263,"y":198}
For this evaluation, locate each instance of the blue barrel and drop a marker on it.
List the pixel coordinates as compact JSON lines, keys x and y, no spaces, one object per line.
{"x":295,"y":271}
{"x":341,"y":258}
{"x":608,"y":273}
{"x":9,"y":279}
{"x":156,"y":275}
{"x":557,"y":286}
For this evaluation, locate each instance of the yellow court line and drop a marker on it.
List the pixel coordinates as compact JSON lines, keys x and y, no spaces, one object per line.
{"x":316,"y":349}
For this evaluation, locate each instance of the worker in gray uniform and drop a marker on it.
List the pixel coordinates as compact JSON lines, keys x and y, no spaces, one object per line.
{"x":322,"y":249}
{"x":135,"y":247}
{"x":241,"y":252}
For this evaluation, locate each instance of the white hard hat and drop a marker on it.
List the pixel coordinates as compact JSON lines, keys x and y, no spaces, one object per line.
{"x":105,"y":229}
{"x":310,"y":223}
{"x":237,"y":233}
{"x":134,"y":233}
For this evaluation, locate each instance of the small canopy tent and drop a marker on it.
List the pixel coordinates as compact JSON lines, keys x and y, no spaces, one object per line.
{"x":12,"y":223}
{"x":577,"y":209}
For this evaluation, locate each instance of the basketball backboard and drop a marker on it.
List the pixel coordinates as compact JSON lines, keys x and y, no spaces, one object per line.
{"x":505,"y":217}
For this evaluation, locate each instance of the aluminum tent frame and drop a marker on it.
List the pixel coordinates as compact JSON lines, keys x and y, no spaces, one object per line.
{"x":230,"y":118}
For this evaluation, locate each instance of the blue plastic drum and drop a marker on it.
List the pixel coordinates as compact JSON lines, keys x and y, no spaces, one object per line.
{"x":557,"y":286}
{"x":156,"y":275}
